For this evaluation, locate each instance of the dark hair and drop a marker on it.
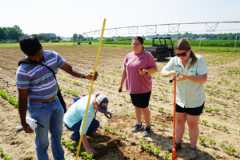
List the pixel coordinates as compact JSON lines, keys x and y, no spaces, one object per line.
{"x":140,"y":39}
{"x":183,"y":44}
{"x":30,"y":45}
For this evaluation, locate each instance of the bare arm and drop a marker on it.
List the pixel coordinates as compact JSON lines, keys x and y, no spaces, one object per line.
{"x":149,"y":71}
{"x":198,"y":79}
{"x":168,"y":73}
{"x":122,"y":80}
{"x":69,"y":69}
{"x":87,"y":145}
{"x":22,"y":108}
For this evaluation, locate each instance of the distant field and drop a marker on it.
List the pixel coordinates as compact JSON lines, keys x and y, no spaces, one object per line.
{"x":207,"y":48}
{"x":204,"y":43}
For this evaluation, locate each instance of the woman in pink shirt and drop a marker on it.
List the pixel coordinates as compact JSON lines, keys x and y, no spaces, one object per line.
{"x":138,"y":67}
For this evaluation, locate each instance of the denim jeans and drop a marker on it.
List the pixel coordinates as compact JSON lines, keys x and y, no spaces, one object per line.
{"x":50,"y":115}
{"x":76,"y":129}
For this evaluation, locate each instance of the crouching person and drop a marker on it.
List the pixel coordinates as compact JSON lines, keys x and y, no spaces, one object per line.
{"x":74,"y":116}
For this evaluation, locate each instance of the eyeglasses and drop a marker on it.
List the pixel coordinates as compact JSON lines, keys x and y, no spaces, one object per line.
{"x":183,"y":54}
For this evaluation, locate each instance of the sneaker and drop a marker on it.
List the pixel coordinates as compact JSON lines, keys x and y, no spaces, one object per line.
{"x":178,"y":146}
{"x":193,"y":153}
{"x":147,"y":131}
{"x":137,"y":128}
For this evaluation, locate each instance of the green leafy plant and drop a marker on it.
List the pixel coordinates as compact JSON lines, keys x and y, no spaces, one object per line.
{"x":221,"y":128}
{"x":205,"y":123}
{"x":212,"y":110}
{"x":229,"y":149}
{"x":7,"y":96}
{"x":167,"y":156}
{"x":207,"y":142}
{"x":71,"y":92}
{"x":161,"y":110}
{"x":71,"y":146}
{"x":4,"y":156}
{"x":150,"y":148}
{"x":86,"y":156}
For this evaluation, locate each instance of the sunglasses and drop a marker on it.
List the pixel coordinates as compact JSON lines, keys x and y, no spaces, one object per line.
{"x":183,"y":54}
{"x":136,"y":44}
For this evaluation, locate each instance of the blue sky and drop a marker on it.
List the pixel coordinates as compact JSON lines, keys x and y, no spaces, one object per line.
{"x":66,"y":17}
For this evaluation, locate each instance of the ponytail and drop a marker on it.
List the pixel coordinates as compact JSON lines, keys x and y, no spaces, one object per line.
{"x":193,"y":59}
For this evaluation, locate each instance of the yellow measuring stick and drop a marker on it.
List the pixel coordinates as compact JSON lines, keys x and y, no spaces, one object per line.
{"x":90,"y":89}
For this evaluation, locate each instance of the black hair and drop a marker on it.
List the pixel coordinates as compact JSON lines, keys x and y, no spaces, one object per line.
{"x":140,"y":39}
{"x":30,"y":45}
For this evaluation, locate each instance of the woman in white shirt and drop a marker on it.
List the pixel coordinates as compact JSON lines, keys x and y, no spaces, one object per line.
{"x":190,"y":71}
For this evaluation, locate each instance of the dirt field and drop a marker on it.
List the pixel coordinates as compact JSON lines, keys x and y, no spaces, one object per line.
{"x":220,"y":124}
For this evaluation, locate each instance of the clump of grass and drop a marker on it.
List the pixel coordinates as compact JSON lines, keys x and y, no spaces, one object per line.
{"x":161,"y":110}
{"x":8,"y":97}
{"x":71,"y":146}
{"x":4,"y":156}
{"x":113,"y":131}
{"x":212,"y":110}
{"x":150,"y":148}
{"x":205,"y":123}
{"x":221,"y":128}
{"x":234,"y":71}
{"x":229,"y":149}
{"x":167,"y":156}
{"x":203,"y":141}
{"x":71,"y":92}
{"x":110,"y":130}
{"x":155,"y":150}
{"x":207,"y":142}
{"x":86,"y":156}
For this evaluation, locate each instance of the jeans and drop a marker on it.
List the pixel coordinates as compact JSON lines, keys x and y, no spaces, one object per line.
{"x":50,"y":115}
{"x":76,"y":129}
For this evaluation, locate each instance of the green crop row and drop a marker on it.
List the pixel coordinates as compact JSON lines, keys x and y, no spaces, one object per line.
{"x":71,"y":146}
{"x":8,"y":97}
{"x":155,"y":150}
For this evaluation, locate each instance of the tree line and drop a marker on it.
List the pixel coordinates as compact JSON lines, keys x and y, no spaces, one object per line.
{"x":12,"y":34}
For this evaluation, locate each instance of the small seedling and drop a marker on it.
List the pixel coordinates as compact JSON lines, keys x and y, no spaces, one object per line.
{"x":7,"y":96}
{"x":161,"y":110}
{"x":207,"y":142}
{"x":4,"y":156}
{"x":205,"y":123}
{"x":212,"y":110}
{"x":150,"y":148}
{"x":229,"y":149}
{"x":71,"y":146}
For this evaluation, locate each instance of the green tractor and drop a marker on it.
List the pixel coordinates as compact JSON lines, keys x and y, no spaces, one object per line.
{"x":162,"y":48}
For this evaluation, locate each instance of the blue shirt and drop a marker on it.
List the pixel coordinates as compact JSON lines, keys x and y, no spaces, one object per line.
{"x":39,"y":80}
{"x":76,"y":112}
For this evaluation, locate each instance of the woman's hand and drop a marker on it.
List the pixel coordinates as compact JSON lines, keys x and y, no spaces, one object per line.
{"x":122,"y":80}
{"x":142,"y":72}
{"x":120,"y":89}
{"x":181,"y":77}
